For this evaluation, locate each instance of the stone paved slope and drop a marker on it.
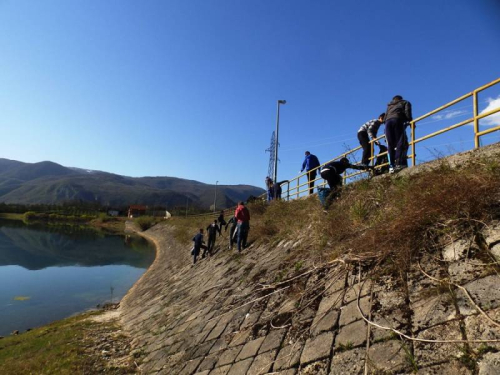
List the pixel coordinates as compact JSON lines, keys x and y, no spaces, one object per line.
{"x":236,"y":314}
{"x":219,"y":317}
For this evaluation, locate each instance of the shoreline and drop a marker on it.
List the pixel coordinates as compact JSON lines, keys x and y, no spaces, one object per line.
{"x":131,"y":229}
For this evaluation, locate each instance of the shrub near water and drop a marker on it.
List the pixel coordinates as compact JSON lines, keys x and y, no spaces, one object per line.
{"x":145,"y":222}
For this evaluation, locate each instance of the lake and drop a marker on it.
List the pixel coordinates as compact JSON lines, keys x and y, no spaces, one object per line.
{"x":51,"y":272}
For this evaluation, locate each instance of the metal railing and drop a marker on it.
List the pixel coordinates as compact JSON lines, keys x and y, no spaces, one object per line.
{"x":293,"y":186}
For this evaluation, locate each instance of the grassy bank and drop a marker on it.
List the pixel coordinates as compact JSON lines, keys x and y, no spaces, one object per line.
{"x":388,"y":220}
{"x":66,"y":347}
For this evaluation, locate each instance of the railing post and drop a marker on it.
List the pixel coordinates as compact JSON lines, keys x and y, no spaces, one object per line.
{"x":298,"y":183}
{"x":372,"y":148}
{"x":413,"y":144}
{"x":288,"y":192}
{"x":476,"y":121}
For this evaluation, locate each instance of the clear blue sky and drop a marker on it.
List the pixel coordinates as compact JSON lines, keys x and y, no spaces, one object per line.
{"x":189,"y":88}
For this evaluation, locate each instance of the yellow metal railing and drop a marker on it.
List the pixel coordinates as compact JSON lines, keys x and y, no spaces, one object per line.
{"x":294,"y":185}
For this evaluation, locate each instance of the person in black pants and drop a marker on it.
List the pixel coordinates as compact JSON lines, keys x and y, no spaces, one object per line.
{"x":198,"y":245}
{"x":232,"y":230}
{"x":222,"y":222}
{"x":332,"y":172}
{"x":366,"y":132}
{"x":397,"y":114}
{"x":310,"y":163}
{"x":212,"y":230}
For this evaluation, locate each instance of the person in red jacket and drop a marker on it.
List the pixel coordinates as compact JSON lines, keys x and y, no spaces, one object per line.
{"x":242,"y":215}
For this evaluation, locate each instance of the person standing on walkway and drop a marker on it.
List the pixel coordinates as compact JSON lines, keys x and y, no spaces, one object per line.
{"x":212,"y":230}
{"x":366,"y":132}
{"x":310,"y":164}
{"x":243,"y":217}
{"x":198,"y":245}
{"x":270,"y":189}
{"x":397,"y":114}
{"x":277,"y":190}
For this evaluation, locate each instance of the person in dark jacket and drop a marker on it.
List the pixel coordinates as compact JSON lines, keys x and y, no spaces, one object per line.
{"x":310,"y":164}
{"x":369,"y":131}
{"x":221,"y":221}
{"x":332,"y":172}
{"x":198,"y":245}
{"x":212,"y":230}
{"x":232,"y":237}
{"x":270,"y":189}
{"x":397,"y":114}
{"x":277,"y":189}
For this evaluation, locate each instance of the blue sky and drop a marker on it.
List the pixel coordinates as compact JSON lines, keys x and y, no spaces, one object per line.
{"x":189,"y":88}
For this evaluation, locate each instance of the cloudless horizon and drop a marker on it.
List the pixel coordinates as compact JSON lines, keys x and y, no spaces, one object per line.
{"x":189,"y":88}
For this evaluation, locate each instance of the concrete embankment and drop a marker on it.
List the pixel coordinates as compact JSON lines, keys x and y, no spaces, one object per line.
{"x":236,"y":314}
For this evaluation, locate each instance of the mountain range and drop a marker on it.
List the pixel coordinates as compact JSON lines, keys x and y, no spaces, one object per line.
{"x":47,"y":182}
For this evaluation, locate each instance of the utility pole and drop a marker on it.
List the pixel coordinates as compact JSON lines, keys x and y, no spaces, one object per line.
{"x":276,"y":141}
{"x":215,"y":197}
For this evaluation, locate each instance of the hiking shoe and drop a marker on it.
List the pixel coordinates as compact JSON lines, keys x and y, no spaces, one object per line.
{"x":391,"y":170}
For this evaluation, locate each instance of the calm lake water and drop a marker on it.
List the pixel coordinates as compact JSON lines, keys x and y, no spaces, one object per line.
{"x":49,"y":273}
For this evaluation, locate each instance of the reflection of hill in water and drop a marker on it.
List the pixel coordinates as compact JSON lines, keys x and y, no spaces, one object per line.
{"x":37,"y":247}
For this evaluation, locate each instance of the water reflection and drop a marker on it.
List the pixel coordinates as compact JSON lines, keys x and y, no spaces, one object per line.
{"x":51,"y":272}
{"x":36,"y":247}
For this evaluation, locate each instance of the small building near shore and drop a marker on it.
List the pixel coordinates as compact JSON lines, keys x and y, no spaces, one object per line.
{"x":136,"y":210}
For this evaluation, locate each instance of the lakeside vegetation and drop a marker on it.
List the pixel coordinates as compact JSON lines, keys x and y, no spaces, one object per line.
{"x":64,"y":347}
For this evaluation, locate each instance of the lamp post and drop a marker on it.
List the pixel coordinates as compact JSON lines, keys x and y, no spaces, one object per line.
{"x":276,"y":141}
{"x":215,"y":196}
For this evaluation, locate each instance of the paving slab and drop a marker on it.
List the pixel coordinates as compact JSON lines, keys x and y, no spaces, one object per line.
{"x":220,"y":370}
{"x":348,"y":362}
{"x":191,"y":366}
{"x":262,"y":363}
{"x":350,"y":313}
{"x":228,"y":356}
{"x":353,"y":335}
{"x":490,"y":364}
{"x":241,"y":367}
{"x":427,"y":354}
{"x":273,"y":340}
{"x":450,"y":368}
{"x":317,"y":348}
{"x":315,"y":368}
{"x":288,"y":357}
{"x":324,"y":323}
{"x":388,"y":357}
{"x":478,"y":327}
{"x":250,"y":349}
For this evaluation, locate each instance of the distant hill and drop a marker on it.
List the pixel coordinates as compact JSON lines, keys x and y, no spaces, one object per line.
{"x":50,"y":183}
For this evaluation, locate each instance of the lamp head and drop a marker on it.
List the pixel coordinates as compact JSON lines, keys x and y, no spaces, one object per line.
{"x":281,"y":101}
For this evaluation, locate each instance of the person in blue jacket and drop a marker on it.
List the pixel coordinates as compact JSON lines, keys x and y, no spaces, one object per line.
{"x":310,"y":163}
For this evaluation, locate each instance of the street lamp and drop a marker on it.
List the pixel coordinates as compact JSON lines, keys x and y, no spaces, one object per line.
{"x":215,"y":197}
{"x":276,"y":141}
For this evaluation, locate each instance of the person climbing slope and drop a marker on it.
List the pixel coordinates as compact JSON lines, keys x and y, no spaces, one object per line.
{"x":198,"y":245}
{"x":332,"y":172}
{"x":243,"y":217}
